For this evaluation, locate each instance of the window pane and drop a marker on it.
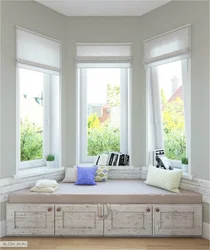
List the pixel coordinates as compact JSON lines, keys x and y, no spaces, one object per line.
{"x":103,"y":104}
{"x":31,"y":114}
{"x":172,"y":108}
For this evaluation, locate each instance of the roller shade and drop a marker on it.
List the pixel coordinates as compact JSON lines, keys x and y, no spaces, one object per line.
{"x":90,"y":54}
{"x":37,"y":50}
{"x":168,"y":47}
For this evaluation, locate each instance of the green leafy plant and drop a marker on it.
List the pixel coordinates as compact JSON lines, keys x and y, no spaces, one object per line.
{"x":103,"y":138}
{"x":93,"y":121}
{"x":50,"y":157}
{"x":173,"y":128}
{"x":31,"y":141}
{"x":185,"y":160}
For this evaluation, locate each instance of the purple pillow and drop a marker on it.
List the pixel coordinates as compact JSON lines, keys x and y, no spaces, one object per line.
{"x":86,"y":176}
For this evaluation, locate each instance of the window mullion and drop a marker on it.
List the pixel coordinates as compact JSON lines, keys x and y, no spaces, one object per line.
{"x":46,"y":106}
{"x":157,"y":110}
{"x":186,"y":95}
{"x":83,"y":98}
{"x":124,"y":110}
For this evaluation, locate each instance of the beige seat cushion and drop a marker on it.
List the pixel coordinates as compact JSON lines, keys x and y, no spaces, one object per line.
{"x":112,"y":191}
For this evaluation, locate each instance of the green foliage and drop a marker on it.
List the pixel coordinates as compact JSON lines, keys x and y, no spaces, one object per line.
{"x":102,"y":139}
{"x":50,"y":157}
{"x":173,"y":126}
{"x":31,"y":141}
{"x":185,"y":160}
{"x":93,"y":121}
{"x":113,"y":95}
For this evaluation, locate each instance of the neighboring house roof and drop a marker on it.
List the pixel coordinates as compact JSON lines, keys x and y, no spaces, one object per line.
{"x":177,"y":94}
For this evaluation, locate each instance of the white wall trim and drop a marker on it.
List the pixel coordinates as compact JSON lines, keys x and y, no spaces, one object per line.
{"x":2,"y":228}
{"x":206,"y":231}
{"x":199,"y":186}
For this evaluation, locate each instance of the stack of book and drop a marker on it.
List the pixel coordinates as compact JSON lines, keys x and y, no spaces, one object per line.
{"x":112,"y":159}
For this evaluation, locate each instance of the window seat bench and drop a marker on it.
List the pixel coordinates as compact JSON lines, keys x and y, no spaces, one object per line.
{"x":112,"y":208}
{"x":112,"y":191}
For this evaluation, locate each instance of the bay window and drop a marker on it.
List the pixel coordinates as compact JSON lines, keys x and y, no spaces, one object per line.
{"x":38,"y":100}
{"x":167,"y":60}
{"x":103,"y":97}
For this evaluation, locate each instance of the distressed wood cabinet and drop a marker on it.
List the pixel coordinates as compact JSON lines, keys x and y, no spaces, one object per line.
{"x":177,"y":220}
{"x":128,"y":220}
{"x":104,"y":220}
{"x":30,"y":219}
{"x":79,"y":220}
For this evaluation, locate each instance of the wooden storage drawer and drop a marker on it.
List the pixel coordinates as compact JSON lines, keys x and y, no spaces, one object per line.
{"x":182,"y":220}
{"x":30,"y":219}
{"x":79,"y":220}
{"x":128,"y":220}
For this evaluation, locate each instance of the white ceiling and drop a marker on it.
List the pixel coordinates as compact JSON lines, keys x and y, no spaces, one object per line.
{"x":103,"y":7}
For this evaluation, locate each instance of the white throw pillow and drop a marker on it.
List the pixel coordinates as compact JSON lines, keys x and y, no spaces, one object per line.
{"x":70,"y":175}
{"x":44,"y":189}
{"x":46,"y":183}
{"x":166,"y":179}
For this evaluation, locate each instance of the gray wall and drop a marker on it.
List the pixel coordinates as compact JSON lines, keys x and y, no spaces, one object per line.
{"x":69,"y":30}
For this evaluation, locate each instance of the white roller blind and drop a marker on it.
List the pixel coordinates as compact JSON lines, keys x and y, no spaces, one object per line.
{"x":174,"y":45}
{"x":103,"y":53}
{"x":37,"y":50}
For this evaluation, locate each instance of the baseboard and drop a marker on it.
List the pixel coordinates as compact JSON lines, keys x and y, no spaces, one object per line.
{"x":206,"y":231}
{"x":2,"y":228}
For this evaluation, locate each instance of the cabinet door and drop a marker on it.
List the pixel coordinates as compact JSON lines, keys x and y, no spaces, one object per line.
{"x":180,"y":220}
{"x":79,"y":220}
{"x":30,"y":219}
{"x":128,"y":220}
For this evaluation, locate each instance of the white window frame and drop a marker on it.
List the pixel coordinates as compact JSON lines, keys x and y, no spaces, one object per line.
{"x":46,"y":124}
{"x":47,"y":119}
{"x":156,"y":106}
{"x":82,"y":135}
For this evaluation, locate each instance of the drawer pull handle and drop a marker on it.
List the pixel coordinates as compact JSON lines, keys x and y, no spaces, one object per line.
{"x":58,"y":209}
{"x":157,"y":209}
{"x":148,"y":209}
{"x":49,"y":209}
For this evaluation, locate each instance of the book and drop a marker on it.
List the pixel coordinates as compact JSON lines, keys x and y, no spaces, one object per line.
{"x":96,"y":160}
{"x":111,"y":159}
{"x":115,"y":160}
{"x":103,"y":160}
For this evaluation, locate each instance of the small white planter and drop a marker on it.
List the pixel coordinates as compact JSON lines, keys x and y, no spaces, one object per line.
{"x":185,"y":168}
{"x":50,"y":164}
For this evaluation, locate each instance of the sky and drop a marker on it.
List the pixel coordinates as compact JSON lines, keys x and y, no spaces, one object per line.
{"x":165,"y":74}
{"x":97,"y":81}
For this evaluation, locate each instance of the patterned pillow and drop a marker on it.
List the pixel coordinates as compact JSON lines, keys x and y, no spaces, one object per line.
{"x":165,"y":179}
{"x":86,"y":175}
{"x":102,"y":173}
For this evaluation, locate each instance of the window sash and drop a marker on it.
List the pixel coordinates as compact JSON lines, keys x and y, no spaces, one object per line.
{"x":82,"y":120}
{"x":152,"y":79}
{"x":47,"y":121}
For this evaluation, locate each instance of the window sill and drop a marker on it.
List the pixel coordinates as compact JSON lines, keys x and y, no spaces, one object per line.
{"x":36,"y":171}
{"x":187,"y":176}
{"x":111,"y":167}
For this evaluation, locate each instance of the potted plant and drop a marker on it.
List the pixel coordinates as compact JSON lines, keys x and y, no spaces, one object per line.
{"x":185,"y":164}
{"x":50,"y":160}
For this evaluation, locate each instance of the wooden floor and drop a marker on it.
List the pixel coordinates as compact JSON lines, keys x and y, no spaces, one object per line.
{"x":111,"y":243}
